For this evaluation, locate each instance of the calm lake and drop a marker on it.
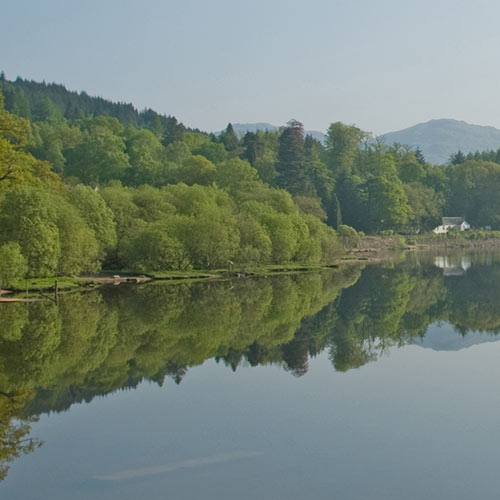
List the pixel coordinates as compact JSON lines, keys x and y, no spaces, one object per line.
{"x":373,"y":382}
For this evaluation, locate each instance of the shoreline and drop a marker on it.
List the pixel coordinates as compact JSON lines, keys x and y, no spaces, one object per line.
{"x":58,"y":285}
{"x":370,"y":249}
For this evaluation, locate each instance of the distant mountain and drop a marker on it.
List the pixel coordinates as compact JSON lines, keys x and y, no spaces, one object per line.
{"x":442,"y":337}
{"x":439,"y":139}
{"x":242,"y":128}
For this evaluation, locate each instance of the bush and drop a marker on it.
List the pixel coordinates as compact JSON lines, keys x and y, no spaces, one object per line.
{"x":348,"y":236}
{"x":12,"y":263}
{"x":154,"y":250}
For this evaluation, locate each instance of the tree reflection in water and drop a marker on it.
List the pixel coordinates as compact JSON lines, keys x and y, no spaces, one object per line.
{"x":92,"y":344}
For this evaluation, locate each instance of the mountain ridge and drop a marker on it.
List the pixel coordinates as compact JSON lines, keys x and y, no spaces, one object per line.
{"x":440,"y":138}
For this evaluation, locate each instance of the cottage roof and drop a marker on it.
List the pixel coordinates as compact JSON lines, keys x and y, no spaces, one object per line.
{"x":453,"y":221}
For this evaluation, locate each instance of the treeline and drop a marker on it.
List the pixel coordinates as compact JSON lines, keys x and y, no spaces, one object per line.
{"x":75,"y":196}
{"x":267,"y":197}
{"x":489,"y":155}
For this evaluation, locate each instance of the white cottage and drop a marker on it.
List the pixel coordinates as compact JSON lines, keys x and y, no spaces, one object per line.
{"x":458,"y":223}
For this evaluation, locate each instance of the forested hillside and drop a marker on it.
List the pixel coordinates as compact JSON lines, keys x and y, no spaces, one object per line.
{"x":53,"y":102}
{"x":87,"y":183}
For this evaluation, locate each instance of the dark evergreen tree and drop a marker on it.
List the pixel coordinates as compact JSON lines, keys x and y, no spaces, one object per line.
{"x":419,"y":156}
{"x":173,"y":130}
{"x":16,"y":101}
{"x":152,"y":121}
{"x":46,"y":110}
{"x":254,"y":147}
{"x":334,"y":213}
{"x":229,"y":138}
{"x":457,"y":158}
{"x":290,"y":165}
{"x":72,"y":111}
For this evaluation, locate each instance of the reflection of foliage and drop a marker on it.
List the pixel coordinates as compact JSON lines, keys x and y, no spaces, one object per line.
{"x":102,"y":341}
{"x":370,"y":316}
{"x":113,"y":338}
{"x":14,"y":431}
{"x":475,"y":300}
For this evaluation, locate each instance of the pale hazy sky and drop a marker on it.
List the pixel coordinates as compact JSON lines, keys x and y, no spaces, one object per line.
{"x":382,"y":65}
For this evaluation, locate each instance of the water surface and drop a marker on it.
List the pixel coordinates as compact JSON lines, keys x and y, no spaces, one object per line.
{"x":375,"y":382}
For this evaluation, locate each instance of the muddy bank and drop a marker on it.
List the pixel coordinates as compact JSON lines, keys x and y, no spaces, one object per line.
{"x":424,"y":243}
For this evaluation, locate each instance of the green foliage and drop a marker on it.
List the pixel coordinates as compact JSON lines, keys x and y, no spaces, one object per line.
{"x":22,"y":96}
{"x":474,"y":192}
{"x":14,"y":430}
{"x":352,"y":179}
{"x":28,"y":217}
{"x":229,"y":138}
{"x":265,"y":165}
{"x":98,"y":216}
{"x":309,"y":205}
{"x":195,"y":140}
{"x":46,"y":110}
{"x":144,"y":151}
{"x":343,"y":144}
{"x":426,"y":206}
{"x":79,"y":250}
{"x":284,"y":237}
{"x":153,"y":250}
{"x":348,"y":236}
{"x":125,"y":211}
{"x":212,"y":151}
{"x":16,"y":166}
{"x":290,"y":165}
{"x":387,"y":204}
{"x":52,"y":236}
{"x":196,"y":170}
{"x":177,"y":152}
{"x":12,"y":263}
{"x":233,"y":172}
{"x":255,"y":243}
{"x":457,"y":158}
{"x":16,"y":101}
{"x":100,"y":156}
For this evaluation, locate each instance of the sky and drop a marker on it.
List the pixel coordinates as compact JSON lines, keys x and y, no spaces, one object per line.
{"x":381,"y":65}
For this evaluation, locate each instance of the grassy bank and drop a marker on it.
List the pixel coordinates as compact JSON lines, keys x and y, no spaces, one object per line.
{"x":262,"y":270}
{"x":49,"y":284}
{"x":66,"y":284}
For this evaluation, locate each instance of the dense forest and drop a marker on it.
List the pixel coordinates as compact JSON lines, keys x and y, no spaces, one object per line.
{"x":87,"y":183}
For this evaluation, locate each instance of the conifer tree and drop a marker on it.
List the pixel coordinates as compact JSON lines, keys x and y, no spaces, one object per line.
{"x":290,"y":165}
{"x":229,"y":138}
